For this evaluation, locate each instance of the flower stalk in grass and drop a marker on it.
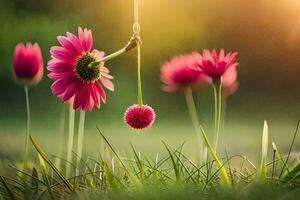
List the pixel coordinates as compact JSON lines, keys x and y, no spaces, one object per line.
{"x":195,"y":121}
{"x":28,"y":70}
{"x":70,"y":140}
{"x":62,"y":140}
{"x":25,"y":156}
{"x":80,"y":139}
{"x":217,"y":88}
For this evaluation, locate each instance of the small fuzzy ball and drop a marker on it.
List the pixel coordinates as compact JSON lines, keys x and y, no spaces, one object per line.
{"x":139,"y":117}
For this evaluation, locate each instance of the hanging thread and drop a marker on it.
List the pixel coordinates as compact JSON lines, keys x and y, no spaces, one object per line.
{"x":136,"y":33}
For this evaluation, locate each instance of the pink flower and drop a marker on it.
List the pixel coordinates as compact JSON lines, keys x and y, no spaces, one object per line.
{"x":214,"y":65}
{"x":74,"y":79}
{"x":139,"y":117}
{"x":28,"y":64}
{"x":181,"y":71}
{"x":229,"y":81}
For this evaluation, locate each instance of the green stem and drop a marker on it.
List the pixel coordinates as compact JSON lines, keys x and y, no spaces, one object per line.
{"x":223,"y":115}
{"x":106,"y":58}
{"x":25,"y":157}
{"x":219,"y":115}
{"x":216,"y":108}
{"x":62,"y":141}
{"x":80,"y":139}
{"x":140,"y":96}
{"x":217,"y":87}
{"x":224,"y":176}
{"x":134,"y":41}
{"x":195,"y":121}
{"x":70,"y":140}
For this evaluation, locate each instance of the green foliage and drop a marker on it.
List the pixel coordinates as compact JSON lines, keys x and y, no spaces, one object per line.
{"x":173,"y":176}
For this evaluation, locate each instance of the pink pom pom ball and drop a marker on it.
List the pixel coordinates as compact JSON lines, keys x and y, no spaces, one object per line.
{"x":139,"y":117}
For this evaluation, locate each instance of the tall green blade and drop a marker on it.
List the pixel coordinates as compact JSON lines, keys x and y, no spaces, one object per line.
{"x":264,"y":150}
{"x":224,"y":177}
{"x":51,"y":164}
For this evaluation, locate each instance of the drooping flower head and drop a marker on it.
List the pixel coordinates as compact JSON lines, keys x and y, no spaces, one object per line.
{"x":73,"y":77}
{"x":213,"y":64}
{"x":139,"y":117}
{"x":181,"y":71}
{"x":28,"y":63}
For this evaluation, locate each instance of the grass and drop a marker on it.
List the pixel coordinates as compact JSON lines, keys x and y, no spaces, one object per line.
{"x":172,"y":175}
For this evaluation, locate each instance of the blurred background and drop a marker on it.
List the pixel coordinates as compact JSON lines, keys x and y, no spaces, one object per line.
{"x":265,"y":33}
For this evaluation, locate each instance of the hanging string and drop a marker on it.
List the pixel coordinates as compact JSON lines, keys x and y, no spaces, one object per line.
{"x":134,"y":41}
{"x":136,"y":32}
{"x":136,"y":25}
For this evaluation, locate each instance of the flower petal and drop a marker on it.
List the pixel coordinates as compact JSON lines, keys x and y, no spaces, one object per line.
{"x":101,"y":91}
{"x":85,"y":38}
{"x":107,"y":83}
{"x":65,"y":42}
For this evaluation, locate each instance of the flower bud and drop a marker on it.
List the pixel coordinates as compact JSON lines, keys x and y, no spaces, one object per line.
{"x":28,"y":64}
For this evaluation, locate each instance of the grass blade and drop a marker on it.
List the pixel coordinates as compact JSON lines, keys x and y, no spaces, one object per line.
{"x":224,"y":176}
{"x":45,"y":176}
{"x":293,"y":174}
{"x":291,"y":147}
{"x":139,"y":163}
{"x":51,"y":164}
{"x":9,"y":192}
{"x":176,"y":169}
{"x":280,"y":157}
{"x":34,"y":182}
{"x":264,"y":150}
{"x":230,"y":172}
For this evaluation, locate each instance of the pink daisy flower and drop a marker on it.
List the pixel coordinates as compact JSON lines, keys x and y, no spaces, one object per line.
{"x":181,"y":71}
{"x":28,"y":63}
{"x":73,"y":77}
{"x":213,"y":64}
{"x":139,"y":117}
